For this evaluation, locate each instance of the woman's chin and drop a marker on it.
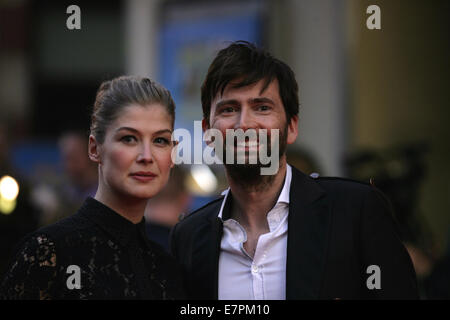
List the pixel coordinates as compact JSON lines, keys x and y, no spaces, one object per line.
{"x":138,"y":195}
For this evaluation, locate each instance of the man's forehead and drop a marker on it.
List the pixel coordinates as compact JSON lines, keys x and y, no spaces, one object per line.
{"x":257,"y":89}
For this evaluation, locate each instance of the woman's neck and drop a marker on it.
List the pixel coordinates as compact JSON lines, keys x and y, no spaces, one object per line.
{"x":131,"y":209}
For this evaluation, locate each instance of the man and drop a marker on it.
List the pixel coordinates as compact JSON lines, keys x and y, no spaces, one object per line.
{"x":286,"y":235}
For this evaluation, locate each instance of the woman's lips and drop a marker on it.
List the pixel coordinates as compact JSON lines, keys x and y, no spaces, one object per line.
{"x":143,"y":176}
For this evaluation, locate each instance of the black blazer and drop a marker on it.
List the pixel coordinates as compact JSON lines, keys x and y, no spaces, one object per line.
{"x":337,"y":228}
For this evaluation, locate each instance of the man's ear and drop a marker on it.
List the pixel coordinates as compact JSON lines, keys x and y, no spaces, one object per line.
{"x":94,"y":149}
{"x":205,"y":126}
{"x":292,"y":130}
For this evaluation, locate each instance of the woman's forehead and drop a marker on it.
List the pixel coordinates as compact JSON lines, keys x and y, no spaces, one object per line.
{"x":150,"y":117}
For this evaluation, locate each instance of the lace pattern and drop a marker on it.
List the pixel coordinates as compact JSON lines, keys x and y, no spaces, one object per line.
{"x":114,"y":257}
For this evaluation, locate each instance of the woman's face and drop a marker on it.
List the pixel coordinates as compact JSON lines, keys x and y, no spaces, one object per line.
{"x":135,"y":158}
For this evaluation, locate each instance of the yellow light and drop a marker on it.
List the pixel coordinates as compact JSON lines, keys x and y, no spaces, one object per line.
{"x":204,"y":178}
{"x":7,"y":206}
{"x":9,"y":188}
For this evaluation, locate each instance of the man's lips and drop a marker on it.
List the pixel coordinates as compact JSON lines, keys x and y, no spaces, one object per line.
{"x":143,"y":175}
{"x":248,"y":144}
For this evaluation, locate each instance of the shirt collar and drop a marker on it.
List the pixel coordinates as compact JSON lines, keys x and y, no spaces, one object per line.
{"x":224,"y":212}
{"x":113,"y":223}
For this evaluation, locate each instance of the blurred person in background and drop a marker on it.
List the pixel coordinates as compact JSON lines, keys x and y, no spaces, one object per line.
{"x":302,"y":160}
{"x":400,"y":172}
{"x":59,"y":195}
{"x":437,"y":283}
{"x":164,"y":210}
{"x":18,"y":214}
{"x":102,"y":251}
{"x":63,"y":195}
{"x":79,"y":169}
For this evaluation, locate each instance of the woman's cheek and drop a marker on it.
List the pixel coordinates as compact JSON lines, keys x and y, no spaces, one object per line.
{"x":165,"y":161}
{"x":121,"y":159}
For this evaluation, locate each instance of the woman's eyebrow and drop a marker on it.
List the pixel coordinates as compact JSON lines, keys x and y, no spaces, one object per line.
{"x":163,"y":131}
{"x":128,"y":129}
{"x":138,"y":132}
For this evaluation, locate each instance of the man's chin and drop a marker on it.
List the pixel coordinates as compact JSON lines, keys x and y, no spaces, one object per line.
{"x":244,"y":166}
{"x":251,"y":172}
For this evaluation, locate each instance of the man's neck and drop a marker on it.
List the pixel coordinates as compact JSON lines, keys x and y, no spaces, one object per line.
{"x":251,"y":205}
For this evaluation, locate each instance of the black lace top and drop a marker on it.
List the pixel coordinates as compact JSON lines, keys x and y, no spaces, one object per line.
{"x":94,"y":254}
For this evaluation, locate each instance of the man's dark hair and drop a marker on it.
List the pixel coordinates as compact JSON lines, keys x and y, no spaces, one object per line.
{"x":245,"y":62}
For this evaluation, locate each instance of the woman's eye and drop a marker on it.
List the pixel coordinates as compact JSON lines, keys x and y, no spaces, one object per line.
{"x":128,"y":139}
{"x":162,"y":141}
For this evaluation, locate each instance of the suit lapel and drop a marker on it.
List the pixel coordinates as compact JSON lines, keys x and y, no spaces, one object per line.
{"x":308,"y":231}
{"x":206,"y":256}
{"x":217,"y":230}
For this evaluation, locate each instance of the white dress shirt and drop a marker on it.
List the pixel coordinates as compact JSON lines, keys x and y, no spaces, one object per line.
{"x":264,"y":276}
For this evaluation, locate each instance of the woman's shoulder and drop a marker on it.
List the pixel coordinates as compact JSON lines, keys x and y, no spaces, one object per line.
{"x":39,"y":259}
{"x":64,"y":228}
{"x":31,"y":268}
{"x":55,"y":237}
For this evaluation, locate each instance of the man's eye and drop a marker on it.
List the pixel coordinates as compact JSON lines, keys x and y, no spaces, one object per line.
{"x":263,"y":108}
{"x":227,"y":110}
{"x":128,"y":139}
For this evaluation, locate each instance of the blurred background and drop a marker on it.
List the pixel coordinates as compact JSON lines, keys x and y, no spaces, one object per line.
{"x":374,"y":103}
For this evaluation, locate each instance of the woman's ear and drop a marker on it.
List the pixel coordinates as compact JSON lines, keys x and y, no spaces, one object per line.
{"x":94,"y":149}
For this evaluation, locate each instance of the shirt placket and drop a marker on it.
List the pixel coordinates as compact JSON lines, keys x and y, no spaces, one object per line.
{"x":257,"y":269}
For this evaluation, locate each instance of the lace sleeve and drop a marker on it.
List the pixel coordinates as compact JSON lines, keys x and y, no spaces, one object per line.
{"x":32,"y":273}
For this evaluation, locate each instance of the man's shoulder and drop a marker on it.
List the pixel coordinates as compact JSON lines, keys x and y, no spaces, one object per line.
{"x":209,"y":210}
{"x":340,"y":182}
{"x":347,"y":188}
{"x":337,"y":186}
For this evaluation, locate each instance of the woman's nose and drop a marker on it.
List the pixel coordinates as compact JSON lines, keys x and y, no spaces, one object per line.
{"x":145,"y":155}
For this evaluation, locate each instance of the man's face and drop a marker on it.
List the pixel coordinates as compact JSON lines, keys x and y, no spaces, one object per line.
{"x":248,"y":108}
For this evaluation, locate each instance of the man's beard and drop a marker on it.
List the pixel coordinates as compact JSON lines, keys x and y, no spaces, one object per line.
{"x":249,"y":175}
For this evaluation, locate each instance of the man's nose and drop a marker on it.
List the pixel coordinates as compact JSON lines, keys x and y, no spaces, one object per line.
{"x":246,"y":120}
{"x":145,"y":154}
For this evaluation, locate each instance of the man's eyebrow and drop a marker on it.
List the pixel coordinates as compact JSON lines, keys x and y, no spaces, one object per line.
{"x":261,"y":100}
{"x":226,"y":102}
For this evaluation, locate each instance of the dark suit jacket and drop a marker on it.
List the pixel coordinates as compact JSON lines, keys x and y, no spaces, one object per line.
{"x":337,"y":228}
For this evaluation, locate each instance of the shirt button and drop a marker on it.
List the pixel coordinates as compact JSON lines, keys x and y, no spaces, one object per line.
{"x":255,"y":269}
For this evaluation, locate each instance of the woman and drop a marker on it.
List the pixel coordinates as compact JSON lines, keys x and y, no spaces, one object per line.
{"x":102,"y":252}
